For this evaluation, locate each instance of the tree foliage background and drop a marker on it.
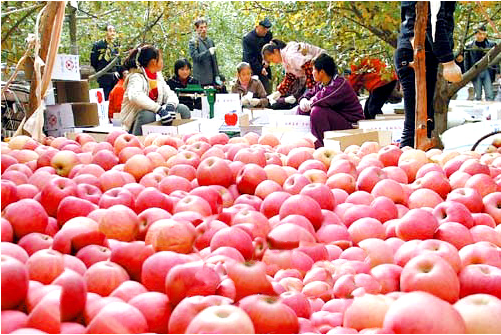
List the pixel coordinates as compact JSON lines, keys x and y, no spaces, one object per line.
{"x":348,"y":30}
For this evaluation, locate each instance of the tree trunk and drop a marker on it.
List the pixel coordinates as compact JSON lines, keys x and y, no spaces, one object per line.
{"x":73,"y":30}
{"x":441,"y":106}
{"x":46,"y":22}
{"x":444,"y":91}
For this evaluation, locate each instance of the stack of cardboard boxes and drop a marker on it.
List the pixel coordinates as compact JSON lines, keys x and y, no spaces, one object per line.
{"x":67,"y":102}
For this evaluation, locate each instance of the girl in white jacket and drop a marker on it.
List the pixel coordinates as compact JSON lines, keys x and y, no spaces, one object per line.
{"x":146,"y":92}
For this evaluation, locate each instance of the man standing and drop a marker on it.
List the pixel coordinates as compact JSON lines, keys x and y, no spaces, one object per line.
{"x":474,"y":52}
{"x":103,"y":52}
{"x":252,"y":44}
{"x":203,"y":54}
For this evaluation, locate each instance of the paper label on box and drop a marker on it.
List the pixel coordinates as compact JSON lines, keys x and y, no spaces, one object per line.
{"x":102,"y":110}
{"x":58,"y":117}
{"x":66,"y":67}
{"x":182,"y":129}
{"x":96,"y":95}
{"x":294,"y":121}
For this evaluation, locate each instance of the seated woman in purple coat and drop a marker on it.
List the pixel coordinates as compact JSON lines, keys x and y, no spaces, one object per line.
{"x":332,"y":104}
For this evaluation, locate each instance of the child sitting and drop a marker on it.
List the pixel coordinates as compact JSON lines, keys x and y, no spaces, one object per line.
{"x":251,"y":90}
{"x":147,"y":93}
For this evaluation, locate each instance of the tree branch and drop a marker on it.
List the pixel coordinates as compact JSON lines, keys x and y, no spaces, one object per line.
{"x":146,"y":23}
{"x":490,"y":58}
{"x":21,"y":20}
{"x":138,"y":36}
{"x":383,"y":35}
{"x":34,"y":7}
{"x":95,"y":76}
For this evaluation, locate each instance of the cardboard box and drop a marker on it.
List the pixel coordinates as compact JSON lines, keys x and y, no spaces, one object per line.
{"x":59,"y":132}
{"x":341,"y":139}
{"x":66,"y":67}
{"x":65,"y":116}
{"x":72,"y":91}
{"x":396,"y":126}
{"x":178,"y":127}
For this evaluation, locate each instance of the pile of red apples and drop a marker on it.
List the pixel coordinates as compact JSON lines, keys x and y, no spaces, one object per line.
{"x":207,"y":234}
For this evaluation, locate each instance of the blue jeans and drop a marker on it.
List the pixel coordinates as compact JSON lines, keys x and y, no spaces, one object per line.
{"x":483,"y":79}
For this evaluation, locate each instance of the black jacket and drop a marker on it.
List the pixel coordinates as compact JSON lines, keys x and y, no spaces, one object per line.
{"x":443,"y":44}
{"x":252,"y":45}
{"x":475,"y":52}
{"x":174,"y":83}
{"x":101,"y":55}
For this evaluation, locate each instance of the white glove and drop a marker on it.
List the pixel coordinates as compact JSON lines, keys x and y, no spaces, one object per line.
{"x":274,"y":95}
{"x":290,"y":99}
{"x":245,"y":101}
{"x":212,"y":50}
{"x":305,"y":105}
{"x":249,"y":96}
{"x":254,"y":102}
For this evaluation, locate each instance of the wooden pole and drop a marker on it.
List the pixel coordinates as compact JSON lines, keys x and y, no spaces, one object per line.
{"x":422,"y":141}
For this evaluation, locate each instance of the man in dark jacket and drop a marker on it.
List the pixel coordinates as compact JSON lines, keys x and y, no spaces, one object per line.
{"x":437,"y":50}
{"x":103,"y":52}
{"x":332,"y":103}
{"x":203,"y":54}
{"x":252,"y":43}
{"x":475,"y":51}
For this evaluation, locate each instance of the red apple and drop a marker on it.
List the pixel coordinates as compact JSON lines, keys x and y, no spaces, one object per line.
{"x":452,"y":211}
{"x":194,"y":278}
{"x":416,"y":224}
{"x":421,"y":312}
{"x":14,"y":282}
{"x":188,"y":308}
{"x":171,"y":235}
{"x":104,"y":277}
{"x":26,"y":216}
{"x":249,"y":177}
{"x":480,"y":311}
{"x":269,"y":314}
{"x":118,"y":317}
{"x":432,"y":274}
{"x":54,"y":191}
{"x":480,"y":278}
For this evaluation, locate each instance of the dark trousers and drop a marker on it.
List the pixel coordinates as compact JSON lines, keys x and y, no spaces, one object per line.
{"x":107,"y":89}
{"x":266,"y":83}
{"x":324,"y":119}
{"x":377,"y":98}
{"x":407,"y":79}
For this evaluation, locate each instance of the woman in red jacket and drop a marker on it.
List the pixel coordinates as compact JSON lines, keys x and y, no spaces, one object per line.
{"x":372,"y":74}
